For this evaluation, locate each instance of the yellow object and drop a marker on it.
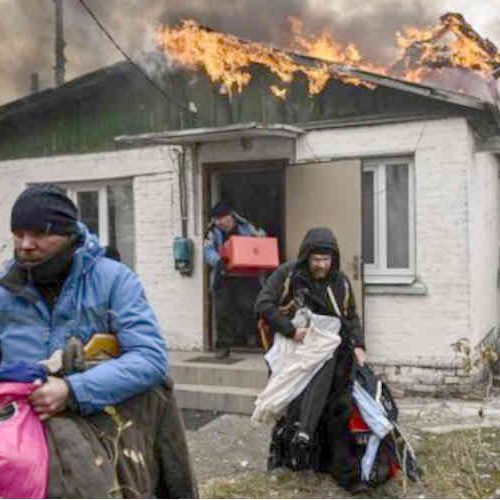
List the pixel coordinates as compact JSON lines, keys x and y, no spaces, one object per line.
{"x":101,"y":345}
{"x":265,"y":334}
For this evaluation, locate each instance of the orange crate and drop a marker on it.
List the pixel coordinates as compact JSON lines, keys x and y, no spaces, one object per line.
{"x":246,"y":255}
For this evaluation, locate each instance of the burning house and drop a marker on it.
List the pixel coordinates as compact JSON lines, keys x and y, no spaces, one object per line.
{"x":406,"y":173}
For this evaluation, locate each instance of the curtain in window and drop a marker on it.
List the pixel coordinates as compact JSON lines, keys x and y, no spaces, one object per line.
{"x":368,"y":211}
{"x":121,"y":221}
{"x":398,"y":249}
{"x":88,"y":206}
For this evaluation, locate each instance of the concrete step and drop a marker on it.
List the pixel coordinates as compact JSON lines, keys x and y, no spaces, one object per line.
{"x":224,"y":399}
{"x":206,"y":374}
{"x":249,"y":372}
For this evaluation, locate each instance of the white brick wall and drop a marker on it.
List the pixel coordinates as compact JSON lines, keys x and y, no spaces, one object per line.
{"x":418,"y":330}
{"x":177,"y":301}
{"x":484,"y":212}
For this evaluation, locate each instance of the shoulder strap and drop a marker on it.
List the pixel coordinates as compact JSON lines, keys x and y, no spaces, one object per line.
{"x":347,"y":296}
{"x":333,"y":300}
{"x":286,"y":287}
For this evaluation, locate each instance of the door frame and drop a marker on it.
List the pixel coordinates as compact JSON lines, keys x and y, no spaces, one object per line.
{"x":208,"y":169}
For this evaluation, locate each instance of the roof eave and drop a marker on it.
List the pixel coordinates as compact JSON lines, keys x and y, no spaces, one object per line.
{"x":239,"y":131}
{"x":414,"y":88}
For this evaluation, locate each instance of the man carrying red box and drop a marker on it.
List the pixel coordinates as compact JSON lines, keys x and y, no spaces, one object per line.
{"x":234,"y":295}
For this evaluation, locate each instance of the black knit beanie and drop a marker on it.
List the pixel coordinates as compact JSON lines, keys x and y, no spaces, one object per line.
{"x":221,"y":209}
{"x":44,"y":208}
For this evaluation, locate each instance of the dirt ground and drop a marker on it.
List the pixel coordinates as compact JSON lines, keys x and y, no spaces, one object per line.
{"x":229,"y":454}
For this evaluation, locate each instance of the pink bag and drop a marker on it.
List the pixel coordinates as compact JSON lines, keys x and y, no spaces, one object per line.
{"x":24,"y":455}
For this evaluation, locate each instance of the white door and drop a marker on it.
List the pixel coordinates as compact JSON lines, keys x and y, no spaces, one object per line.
{"x":327,"y":194}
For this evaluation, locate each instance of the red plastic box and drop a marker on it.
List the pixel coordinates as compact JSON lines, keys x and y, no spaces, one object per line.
{"x":249,"y":256}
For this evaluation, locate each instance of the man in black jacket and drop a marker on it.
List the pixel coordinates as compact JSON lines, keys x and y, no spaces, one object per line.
{"x":316,"y":269}
{"x":315,"y":277}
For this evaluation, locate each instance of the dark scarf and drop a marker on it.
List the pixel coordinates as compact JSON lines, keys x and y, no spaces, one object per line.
{"x":47,"y":277}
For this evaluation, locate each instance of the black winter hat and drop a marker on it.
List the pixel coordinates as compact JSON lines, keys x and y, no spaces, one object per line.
{"x":221,"y":209}
{"x":44,"y":208}
{"x":320,"y":240}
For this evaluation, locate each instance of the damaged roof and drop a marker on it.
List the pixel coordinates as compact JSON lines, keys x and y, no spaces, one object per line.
{"x":81,"y":83}
{"x":88,"y":112}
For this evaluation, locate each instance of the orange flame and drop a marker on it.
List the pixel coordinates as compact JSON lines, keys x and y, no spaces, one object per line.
{"x":324,"y":46}
{"x":278,"y":92}
{"x":453,"y":44}
{"x":227,"y":60}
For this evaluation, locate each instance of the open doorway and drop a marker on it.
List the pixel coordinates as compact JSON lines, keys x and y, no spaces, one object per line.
{"x":256,"y":191}
{"x":287,"y":200}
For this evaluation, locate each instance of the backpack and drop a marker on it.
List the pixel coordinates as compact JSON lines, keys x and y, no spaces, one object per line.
{"x":393,"y":453}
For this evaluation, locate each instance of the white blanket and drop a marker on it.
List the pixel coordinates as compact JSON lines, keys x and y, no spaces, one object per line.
{"x":294,"y":364}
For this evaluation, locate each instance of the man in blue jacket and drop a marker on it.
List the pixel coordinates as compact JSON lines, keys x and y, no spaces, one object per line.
{"x":58,"y":286}
{"x":234,"y":296}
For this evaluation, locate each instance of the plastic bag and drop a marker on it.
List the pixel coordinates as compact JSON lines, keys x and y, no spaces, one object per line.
{"x":24,"y":455}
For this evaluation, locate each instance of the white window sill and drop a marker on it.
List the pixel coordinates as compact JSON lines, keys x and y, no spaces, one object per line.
{"x":415,"y":289}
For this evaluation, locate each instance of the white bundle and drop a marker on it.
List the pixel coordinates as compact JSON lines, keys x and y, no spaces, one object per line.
{"x":294,"y":364}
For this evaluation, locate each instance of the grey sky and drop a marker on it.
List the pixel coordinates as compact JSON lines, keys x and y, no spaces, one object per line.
{"x":27,"y":27}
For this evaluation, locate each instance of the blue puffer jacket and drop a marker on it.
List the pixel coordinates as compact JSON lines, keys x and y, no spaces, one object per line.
{"x":99,"y":295}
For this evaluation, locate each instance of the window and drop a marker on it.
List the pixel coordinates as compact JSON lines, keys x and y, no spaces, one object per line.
{"x":107,"y":209}
{"x":388,"y":221}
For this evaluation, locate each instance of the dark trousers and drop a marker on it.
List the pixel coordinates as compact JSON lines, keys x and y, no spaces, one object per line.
{"x":307,"y":409}
{"x":234,"y":302}
{"x":321,"y":411}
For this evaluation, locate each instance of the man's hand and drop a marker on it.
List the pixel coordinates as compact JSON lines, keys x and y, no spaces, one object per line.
{"x":299,"y":334}
{"x":360,"y":355}
{"x":221,"y":267}
{"x":50,"y":398}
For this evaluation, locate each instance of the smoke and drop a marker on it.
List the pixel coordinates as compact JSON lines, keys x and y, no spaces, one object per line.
{"x":28,"y":34}
{"x":28,"y":29}
{"x":371,"y":25}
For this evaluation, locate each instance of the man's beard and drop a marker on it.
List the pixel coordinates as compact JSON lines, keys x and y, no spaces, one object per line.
{"x":319,"y":275}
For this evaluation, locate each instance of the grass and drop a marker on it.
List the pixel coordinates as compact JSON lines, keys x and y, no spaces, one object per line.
{"x":462,"y":464}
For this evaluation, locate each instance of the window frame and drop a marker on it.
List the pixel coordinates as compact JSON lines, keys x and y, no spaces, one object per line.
{"x":377,"y":273}
{"x":102,"y":190}
{"x":101,"y":186}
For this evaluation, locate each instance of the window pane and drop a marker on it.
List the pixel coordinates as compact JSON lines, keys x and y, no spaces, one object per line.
{"x":368,"y":210}
{"x":88,"y":206}
{"x":398,"y":247}
{"x":121,"y":221}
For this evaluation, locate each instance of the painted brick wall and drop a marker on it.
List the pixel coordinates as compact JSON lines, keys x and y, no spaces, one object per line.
{"x":177,"y":300}
{"x":418,"y":330}
{"x":484,"y":211}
